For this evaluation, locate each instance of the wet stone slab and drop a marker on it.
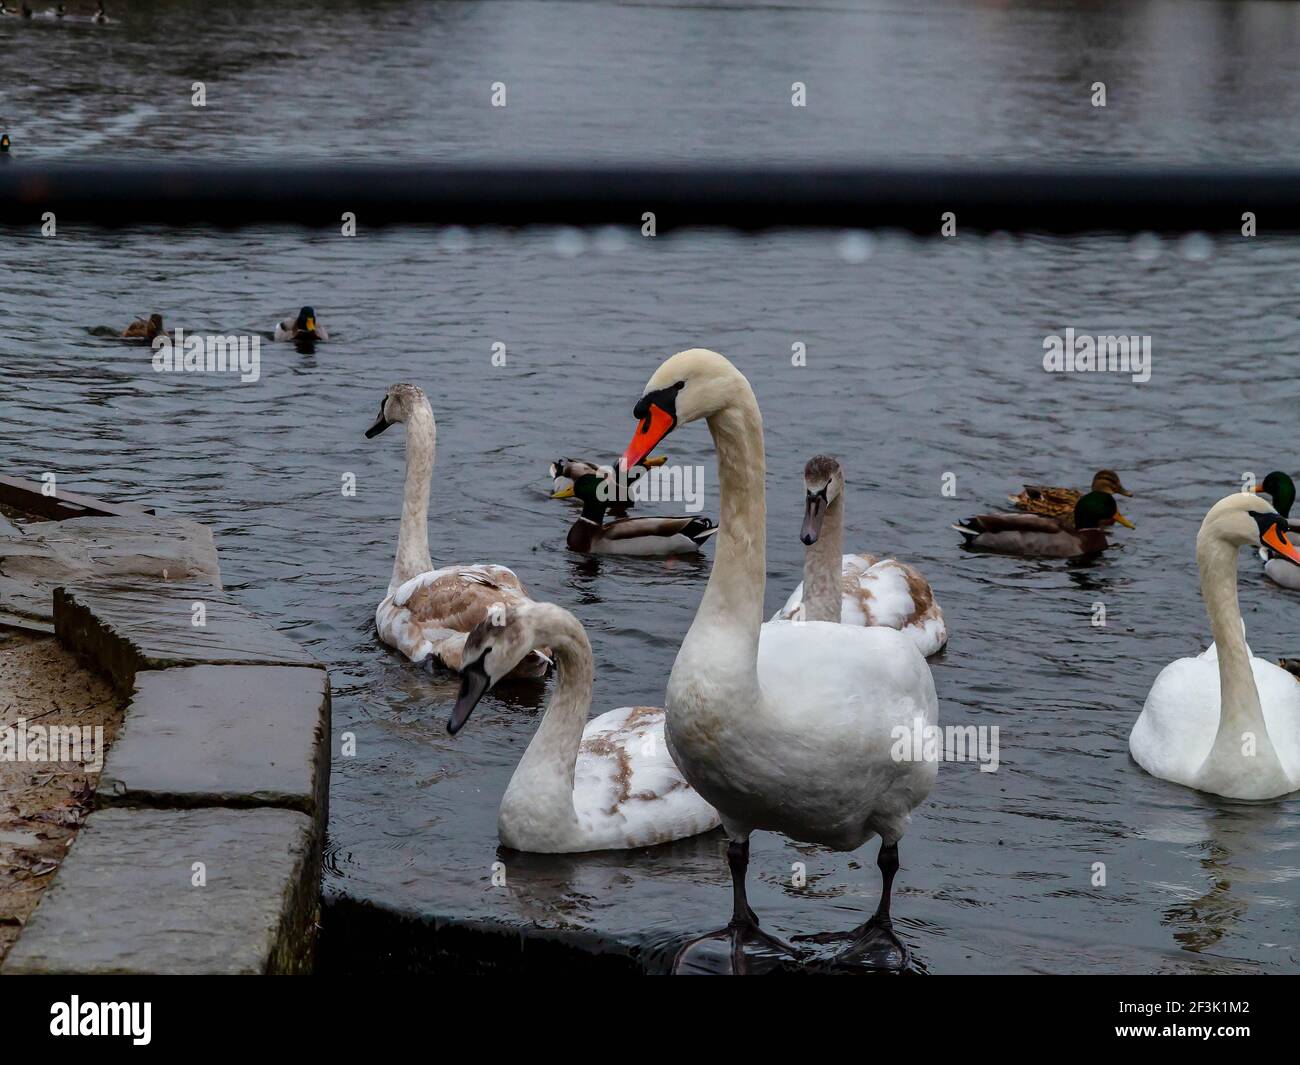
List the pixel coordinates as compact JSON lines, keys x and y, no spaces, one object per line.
{"x":124,"y":900}
{"x":127,"y":628}
{"x":223,"y":736}
{"x":37,"y":557}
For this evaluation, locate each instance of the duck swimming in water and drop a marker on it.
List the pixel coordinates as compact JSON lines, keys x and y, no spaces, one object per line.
{"x":304,"y":331}
{"x":1279,"y":487}
{"x":1059,"y":503}
{"x":142,"y":329}
{"x":1036,"y":536}
{"x":645,"y":537}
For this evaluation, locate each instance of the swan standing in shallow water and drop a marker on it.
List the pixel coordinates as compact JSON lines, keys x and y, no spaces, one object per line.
{"x":1225,"y":722}
{"x":428,"y":612}
{"x":856,"y":589}
{"x":786,"y":727}
{"x":605,"y":784}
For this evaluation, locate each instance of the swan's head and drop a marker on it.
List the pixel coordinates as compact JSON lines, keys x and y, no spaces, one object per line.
{"x":1095,"y":509}
{"x":823,"y":481}
{"x":690,"y":385}
{"x":1108,"y":481}
{"x":498,"y":643}
{"x":1243,"y":519}
{"x":1279,"y":487}
{"x":399,"y":404}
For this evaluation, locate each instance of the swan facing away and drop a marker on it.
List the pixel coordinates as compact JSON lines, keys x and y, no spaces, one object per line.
{"x":1226,"y":722}
{"x":428,"y":612}
{"x":856,"y":589}
{"x":785,"y":727}
{"x":604,"y":784}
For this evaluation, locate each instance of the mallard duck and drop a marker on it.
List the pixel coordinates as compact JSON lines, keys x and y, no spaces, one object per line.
{"x":648,"y":537}
{"x":1036,"y":536}
{"x":100,"y":14}
{"x":1059,"y":502}
{"x":144,"y":329}
{"x":562,"y":482}
{"x":1291,"y":665}
{"x":304,"y":331}
{"x":4,"y":137}
{"x":856,"y":589}
{"x":1279,"y":487}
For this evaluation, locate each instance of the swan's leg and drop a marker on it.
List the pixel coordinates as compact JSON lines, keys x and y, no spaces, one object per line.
{"x":871,"y":945}
{"x":874,"y":943}
{"x":743,"y":929}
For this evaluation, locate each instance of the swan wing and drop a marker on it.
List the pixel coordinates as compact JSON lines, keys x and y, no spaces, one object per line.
{"x":627,"y":791}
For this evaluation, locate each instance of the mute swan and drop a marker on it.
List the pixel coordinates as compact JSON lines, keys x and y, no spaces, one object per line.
{"x":604,"y":784}
{"x":1225,"y":722}
{"x":1059,"y":502}
{"x":428,"y":612}
{"x":785,"y":727}
{"x":644,"y":537}
{"x":1035,"y":536}
{"x":856,"y":589}
{"x":1281,"y":489}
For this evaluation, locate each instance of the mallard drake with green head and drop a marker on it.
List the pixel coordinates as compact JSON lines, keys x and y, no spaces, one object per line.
{"x":1038,"y":536}
{"x":1060,"y":502}
{"x":647,"y":537}
{"x":562,"y":476}
{"x":1279,"y":487}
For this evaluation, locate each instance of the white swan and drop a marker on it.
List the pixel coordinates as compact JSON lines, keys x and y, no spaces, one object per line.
{"x":856,"y":589}
{"x":428,"y":612}
{"x":787,"y":727}
{"x":605,"y":784}
{"x":1225,"y":722}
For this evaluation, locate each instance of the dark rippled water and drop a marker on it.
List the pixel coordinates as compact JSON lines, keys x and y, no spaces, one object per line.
{"x":923,"y":358}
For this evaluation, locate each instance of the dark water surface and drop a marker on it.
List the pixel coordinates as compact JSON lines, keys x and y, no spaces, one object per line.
{"x":923,"y":358}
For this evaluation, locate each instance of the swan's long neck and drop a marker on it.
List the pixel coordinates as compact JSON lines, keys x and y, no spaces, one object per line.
{"x":1241,"y":719}
{"x":724,"y":636}
{"x":413,"y":539}
{"x":822,"y":565}
{"x":543,"y":781}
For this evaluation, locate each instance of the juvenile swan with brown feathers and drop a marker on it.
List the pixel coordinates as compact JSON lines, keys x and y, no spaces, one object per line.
{"x":604,"y":784}
{"x":856,"y":589}
{"x":428,"y":612}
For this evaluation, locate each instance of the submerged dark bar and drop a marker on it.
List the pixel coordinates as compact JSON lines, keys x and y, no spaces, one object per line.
{"x":745,"y":198}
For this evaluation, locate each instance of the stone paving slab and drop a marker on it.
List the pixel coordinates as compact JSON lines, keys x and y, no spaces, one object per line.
{"x":125,"y":628}
{"x":37,"y":557}
{"x":124,"y":902}
{"x":223,"y":736}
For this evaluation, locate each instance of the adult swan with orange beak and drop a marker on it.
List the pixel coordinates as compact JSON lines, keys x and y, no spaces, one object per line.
{"x":788,"y":727}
